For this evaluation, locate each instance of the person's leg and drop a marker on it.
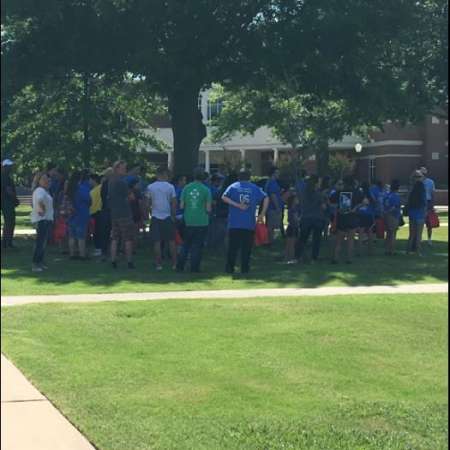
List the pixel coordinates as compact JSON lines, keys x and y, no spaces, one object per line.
{"x":305,"y":231}
{"x":248,"y":239}
{"x":197,"y":248}
{"x":411,"y":236}
{"x":186,"y":248}
{"x":340,"y":235}
{"x":72,"y":245}
{"x":370,"y":236}
{"x":350,"y":245}
{"x":420,"y":227}
{"x":234,"y":238}
{"x":39,"y":244}
{"x":9,"y":223}
{"x":129,"y":245}
{"x":317,"y":239}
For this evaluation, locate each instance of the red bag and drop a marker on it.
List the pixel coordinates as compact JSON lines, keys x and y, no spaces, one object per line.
{"x":380,"y":228}
{"x":59,"y":230}
{"x":433,"y":220}
{"x":178,"y":238}
{"x":261,"y":235}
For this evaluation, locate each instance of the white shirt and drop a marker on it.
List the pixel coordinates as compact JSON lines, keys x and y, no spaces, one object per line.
{"x":161,"y":194}
{"x":40,"y":195}
{"x":430,"y":187}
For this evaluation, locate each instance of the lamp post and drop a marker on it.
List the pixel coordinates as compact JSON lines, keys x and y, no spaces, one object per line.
{"x":358,"y":148}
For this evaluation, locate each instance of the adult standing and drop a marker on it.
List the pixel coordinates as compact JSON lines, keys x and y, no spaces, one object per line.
{"x":275,"y":211}
{"x":163,"y":205}
{"x":9,"y":204}
{"x":104,"y":216}
{"x":392,"y":216}
{"x":78,"y":192}
{"x":243,"y":199}
{"x":347,"y":200}
{"x":196,"y":202}
{"x":313,"y":217}
{"x":42,"y":218}
{"x":95,"y":210}
{"x":121,"y":218}
{"x":417,"y":211}
{"x":430,"y":190}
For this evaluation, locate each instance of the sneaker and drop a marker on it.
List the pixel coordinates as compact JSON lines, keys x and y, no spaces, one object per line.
{"x":292,"y":262}
{"x":37,"y":269}
{"x":97,"y":252}
{"x":44,"y":266}
{"x":159,"y":268}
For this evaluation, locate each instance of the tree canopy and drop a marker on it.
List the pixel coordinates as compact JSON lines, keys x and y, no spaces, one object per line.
{"x":378,"y":52}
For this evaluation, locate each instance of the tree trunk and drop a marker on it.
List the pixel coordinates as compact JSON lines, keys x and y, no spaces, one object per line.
{"x":86,"y":120}
{"x":323,"y":159}
{"x":188,"y":129}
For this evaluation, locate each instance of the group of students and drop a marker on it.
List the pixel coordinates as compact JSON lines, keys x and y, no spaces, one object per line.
{"x":221,"y":212}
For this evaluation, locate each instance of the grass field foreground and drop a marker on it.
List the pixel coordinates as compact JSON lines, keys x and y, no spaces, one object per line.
{"x":345,"y":373}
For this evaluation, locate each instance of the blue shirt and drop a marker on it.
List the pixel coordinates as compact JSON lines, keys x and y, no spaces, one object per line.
{"x":244,"y":192}
{"x":430,"y":188}
{"x":393,"y":205}
{"x":82,"y":204}
{"x":178,"y":192}
{"x":273,"y":188}
{"x":419,"y":213}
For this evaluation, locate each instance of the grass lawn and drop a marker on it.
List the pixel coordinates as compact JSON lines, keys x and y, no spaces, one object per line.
{"x":74,"y":277}
{"x":342,"y":373}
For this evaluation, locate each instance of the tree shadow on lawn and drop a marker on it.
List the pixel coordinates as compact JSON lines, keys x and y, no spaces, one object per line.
{"x":268,"y":271}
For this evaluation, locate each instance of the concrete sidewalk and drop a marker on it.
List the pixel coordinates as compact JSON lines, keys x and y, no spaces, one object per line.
{"x":29,"y":420}
{"x":235,"y":294}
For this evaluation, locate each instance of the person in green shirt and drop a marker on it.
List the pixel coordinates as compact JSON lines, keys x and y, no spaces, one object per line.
{"x":196,"y":202}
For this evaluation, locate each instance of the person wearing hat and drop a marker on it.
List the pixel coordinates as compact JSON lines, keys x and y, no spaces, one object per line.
{"x":9,"y":204}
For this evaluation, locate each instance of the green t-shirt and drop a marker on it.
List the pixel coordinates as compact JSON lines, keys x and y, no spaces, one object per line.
{"x":195,"y":197}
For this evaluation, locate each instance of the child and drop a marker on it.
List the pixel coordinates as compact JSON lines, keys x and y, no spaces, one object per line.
{"x":292,"y":231}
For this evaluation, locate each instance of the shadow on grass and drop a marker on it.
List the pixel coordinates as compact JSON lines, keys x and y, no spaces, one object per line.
{"x":268,"y":271}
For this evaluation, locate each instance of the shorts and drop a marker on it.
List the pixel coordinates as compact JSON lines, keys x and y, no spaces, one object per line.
{"x":292,"y":232}
{"x":366,"y":222}
{"x":391,"y":223}
{"x":347,"y":222}
{"x":124,"y":229}
{"x":78,"y":230}
{"x":162,"y":230}
{"x":274,"y":219}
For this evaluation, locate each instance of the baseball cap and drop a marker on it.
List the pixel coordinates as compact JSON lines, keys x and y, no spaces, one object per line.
{"x":7,"y":162}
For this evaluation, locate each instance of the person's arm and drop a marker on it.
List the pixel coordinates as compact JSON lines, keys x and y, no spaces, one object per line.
{"x":209,"y":203}
{"x":173,"y":208}
{"x":228,"y":201}
{"x":264,"y":209}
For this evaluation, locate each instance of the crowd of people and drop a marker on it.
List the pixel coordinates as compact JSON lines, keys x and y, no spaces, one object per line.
{"x":221,"y":212}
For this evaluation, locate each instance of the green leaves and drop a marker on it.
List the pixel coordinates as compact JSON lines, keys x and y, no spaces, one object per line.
{"x":47,"y":123}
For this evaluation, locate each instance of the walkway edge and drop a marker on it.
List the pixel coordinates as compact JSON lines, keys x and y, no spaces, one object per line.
{"x":30,"y":421}
{"x":235,"y":294}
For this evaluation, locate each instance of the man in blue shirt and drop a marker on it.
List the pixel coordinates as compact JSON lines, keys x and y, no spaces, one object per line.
{"x":243,"y":199}
{"x":275,"y":211}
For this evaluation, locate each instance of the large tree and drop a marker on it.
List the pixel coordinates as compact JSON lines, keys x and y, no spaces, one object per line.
{"x":78,"y":122}
{"x":330,"y":48}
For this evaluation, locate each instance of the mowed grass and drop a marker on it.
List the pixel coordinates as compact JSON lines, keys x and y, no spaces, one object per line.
{"x":268,"y":271}
{"x":337,"y":373}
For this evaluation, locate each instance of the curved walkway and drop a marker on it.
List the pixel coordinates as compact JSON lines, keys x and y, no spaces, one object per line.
{"x":236,"y":294}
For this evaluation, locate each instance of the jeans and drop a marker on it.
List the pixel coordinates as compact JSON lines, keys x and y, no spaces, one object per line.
{"x":103,"y":231}
{"x":42,"y":234}
{"x":308,"y":226}
{"x":194,"y":240}
{"x":240,"y":241}
{"x":9,"y":223}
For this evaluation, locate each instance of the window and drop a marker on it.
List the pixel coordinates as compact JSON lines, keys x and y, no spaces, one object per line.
{"x":214,"y":109}
{"x":372,"y":169}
